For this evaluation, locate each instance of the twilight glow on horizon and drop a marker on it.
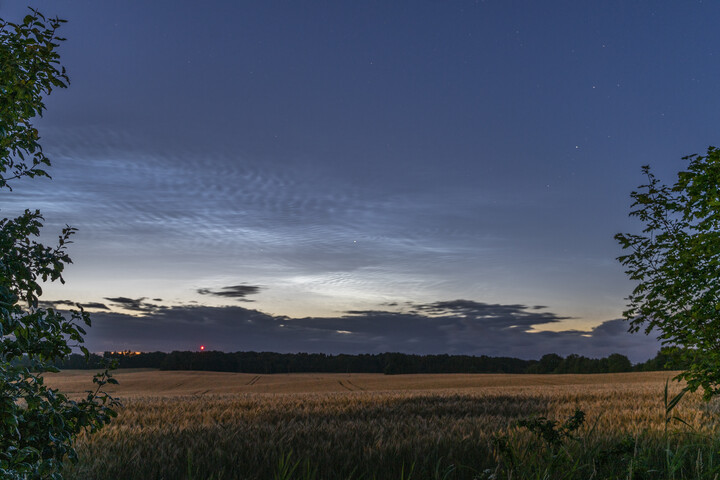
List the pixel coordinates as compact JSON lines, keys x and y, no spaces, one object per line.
{"x":350,"y":177}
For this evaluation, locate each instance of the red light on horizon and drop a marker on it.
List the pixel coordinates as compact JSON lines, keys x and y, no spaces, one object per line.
{"x":202,"y":347}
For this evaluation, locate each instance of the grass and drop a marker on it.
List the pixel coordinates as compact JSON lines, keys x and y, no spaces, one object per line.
{"x":188,"y":425}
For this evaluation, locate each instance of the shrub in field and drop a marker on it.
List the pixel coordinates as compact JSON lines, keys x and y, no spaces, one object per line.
{"x":37,"y":424}
{"x":551,"y":432}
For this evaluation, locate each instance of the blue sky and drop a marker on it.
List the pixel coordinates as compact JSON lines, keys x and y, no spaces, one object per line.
{"x":366,"y":157}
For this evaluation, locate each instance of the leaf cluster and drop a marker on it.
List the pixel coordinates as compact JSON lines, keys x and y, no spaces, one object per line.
{"x":29,"y":69}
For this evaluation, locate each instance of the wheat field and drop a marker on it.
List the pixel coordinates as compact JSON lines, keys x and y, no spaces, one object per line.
{"x":178,"y":425}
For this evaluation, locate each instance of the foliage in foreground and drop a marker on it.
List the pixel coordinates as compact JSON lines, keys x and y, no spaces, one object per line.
{"x":675,"y":261}
{"x":38,"y":425}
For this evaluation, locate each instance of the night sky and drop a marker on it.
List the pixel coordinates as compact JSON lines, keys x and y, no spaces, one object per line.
{"x":426,"y":177}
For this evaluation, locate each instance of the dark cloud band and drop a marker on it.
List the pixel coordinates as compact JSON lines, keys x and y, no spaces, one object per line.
{"x":457,"y":327}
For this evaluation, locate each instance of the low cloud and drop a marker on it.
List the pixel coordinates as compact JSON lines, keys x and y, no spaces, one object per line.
{"x":138,"y":305}
{"x":69,"y":303}
{"x":495,"y":316}
{"x":57,"y":303}
{"x":238,"y":292}
{"x":97,"y":305}
{"x":455,"y":327}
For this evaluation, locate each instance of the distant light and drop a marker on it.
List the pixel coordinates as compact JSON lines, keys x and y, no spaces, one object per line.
{"x":202,"y":347}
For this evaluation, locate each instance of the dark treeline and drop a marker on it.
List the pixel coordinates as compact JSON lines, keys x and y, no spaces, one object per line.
{"x":388,"y":363}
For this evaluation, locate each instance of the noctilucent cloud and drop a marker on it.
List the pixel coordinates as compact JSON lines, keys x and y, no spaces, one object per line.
{"x":365,"y":176}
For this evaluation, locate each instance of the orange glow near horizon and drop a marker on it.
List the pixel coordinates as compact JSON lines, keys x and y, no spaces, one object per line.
{"x":202,"y":348}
